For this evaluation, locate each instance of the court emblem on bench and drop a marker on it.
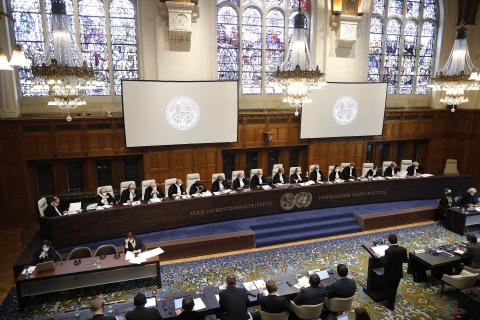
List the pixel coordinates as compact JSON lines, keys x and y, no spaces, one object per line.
{"x":288,"y":201}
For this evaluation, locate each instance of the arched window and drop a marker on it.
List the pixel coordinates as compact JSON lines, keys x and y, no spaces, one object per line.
{"x":105,"y":32}
{"x":251,"y":40}
{"x":401,"y":44}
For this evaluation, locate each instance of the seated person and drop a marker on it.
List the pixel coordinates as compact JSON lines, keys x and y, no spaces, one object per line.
{"x":375,"y":172}
{"x":219,"y":184}
{"x":104,"y":197}
{"x":187,"y":312}
{"x":414,"y":170}
{"x":349,"y":172}
{"x":470,"y":198}
{"x":153,"y":191}
{"x":335,"y":174}
{"x":239,"y":182}
{"x":140,"y":312}
{"x":317,"y":175}
{"x":130,"y":194}
{"x":447,"y":201}
{"x":97,"y":307}
{"x":133,"y":244}
{"x":361,"y":314}
{"x":343,"y":287}
{"x":315,"y":294}
{"x":233,"y":301}
{"x":471,"y":256}
{"x":296,"y":176}
{"x":272,"y":303}
{"x":391,"y":170}
{"x":258,"y":180}
{"x":197,"y":187}
{"x":279,"y":177}
{"x":46,"y":253}
{"x":53,"y":209}
{"x":176,"y":189}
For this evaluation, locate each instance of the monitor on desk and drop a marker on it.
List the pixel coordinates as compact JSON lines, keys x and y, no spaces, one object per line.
{"x":151,"y":303}
{"x":178,"y":303}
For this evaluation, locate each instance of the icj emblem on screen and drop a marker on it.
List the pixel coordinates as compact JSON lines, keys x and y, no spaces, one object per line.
{"x":182,"y":113}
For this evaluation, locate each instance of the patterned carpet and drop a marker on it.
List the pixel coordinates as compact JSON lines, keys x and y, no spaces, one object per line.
{"x":416,"y":300}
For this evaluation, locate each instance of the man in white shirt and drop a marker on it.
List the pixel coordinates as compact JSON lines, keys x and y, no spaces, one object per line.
{"x":219,"y":184}
{"x":53,"y":209}
{"x":130,"y":195}
{"x":317,"y":175}
{"x":176,"y":189}
{"x":279,"y":177}
{"x":349,"y":172}
{"x":240,"y":182}
{"x":153,"y":192}
{"x":414,"y":170}
{"x":296,"y":176}
{"x":257,"y":180}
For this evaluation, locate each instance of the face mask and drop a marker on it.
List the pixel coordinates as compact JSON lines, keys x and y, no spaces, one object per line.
{"x":260,"y":175}
{"x":56,"y":204}
{"x":179,"y":184}
{"x":45,"y":249}
{"x":337,"y":170}
{"x":132,"y":190}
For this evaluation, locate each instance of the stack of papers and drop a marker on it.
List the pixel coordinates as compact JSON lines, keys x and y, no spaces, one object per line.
{"x":260,"y":284}
{"x":250,"y":286}
{"x":143,"y":256}
{"x":460,"y":252}
{"x":266,"y":187}
{"x":419,"y":251}
{"x":426,"y":175}
{"x":207,"y":194}
{"x":323,"y":274}
{"x":155,"y":200}
{"x":380,"y":250}
{"x":303,"y":282}
{"x":308,"y":183}
{"x":136,"y":203}
{"x":29,"y":269}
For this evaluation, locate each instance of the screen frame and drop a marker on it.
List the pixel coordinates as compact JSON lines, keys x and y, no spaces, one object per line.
{"x":347,"y":137}
{"x":180,"y":81}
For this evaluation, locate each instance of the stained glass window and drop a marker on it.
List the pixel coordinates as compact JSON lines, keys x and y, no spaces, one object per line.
{"x":261,"y":25}
{"x":401,"y":44}
{"x":112,"y":52}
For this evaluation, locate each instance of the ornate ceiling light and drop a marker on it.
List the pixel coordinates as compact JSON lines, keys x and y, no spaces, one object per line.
{"x":297,"y":76}
{"x":66,"y":78}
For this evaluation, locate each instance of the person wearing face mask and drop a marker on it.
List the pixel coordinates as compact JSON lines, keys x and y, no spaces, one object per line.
{"x":219,"y":184}
{"x":239,"y":182}
{"x":375,"y":172}
{"x":133,"y":244}
{"x":391,"y":170}
{"x":447,"y":201}
{"x":153,"y":191}
{"x":336,"y":174}
{"x":176,"y":189}
{"x":296,"y":177}
{"x":317,"y":175}
{"x":349,"y":172}
{"x":258,"y":180}
{"x":129,"y":195}
{"x":46,"y":253}
{"x":470,"y":198}
{"x":414,"y":170}
{"x":279,"y":177}
{"x":104,"y":197}
{"x":197,"y":187}
{"x":54,"y":209}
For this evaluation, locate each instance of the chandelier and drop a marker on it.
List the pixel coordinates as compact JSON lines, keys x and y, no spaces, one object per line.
{"x":297,"y":76}
{"x":66,"y":78}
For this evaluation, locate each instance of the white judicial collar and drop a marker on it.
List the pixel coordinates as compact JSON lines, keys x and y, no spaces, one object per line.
{"x":281,"y":177}
{"x":221,"y":186}
{"x":259,"y":179}
{"x":58,"y":211}
{"x":241,"y":182}
{"x":179,"y":191}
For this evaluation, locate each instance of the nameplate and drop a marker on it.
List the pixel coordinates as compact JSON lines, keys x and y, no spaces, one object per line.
{"x":241,"y":207}
{"x":363,"y":194}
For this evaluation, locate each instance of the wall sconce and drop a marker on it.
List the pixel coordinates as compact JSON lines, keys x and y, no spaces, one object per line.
{"x":267,"y":137}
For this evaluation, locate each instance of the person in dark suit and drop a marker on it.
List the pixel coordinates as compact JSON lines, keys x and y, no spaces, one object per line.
{"x":315,"y":294}
{"x":134,"y":244}
{"x":273,"y":303}
{"x":239,"y":182}
{"x":104,"y":197}
{"x":258,"y":180}
{"x":45,"y":253}
{"x":414,"y":170}
{"x":447,"y":201}
{"x":317,"y":175}
{"x":297,"y":177}
{"x":470,"y":198}
{"x":349,"y":172}
{"x":176,"y":189}
{"x":361,"y":314}
{"x":153,"y":191}
{"x":97,"y":307}
{"x":233,"y":301}
{"x":375,"y":172}
{"x":343,"y":287}
{"x":395,"y":257}
{"x":140,"y":312}
{"x":197,"y":187}
{"x":279,"y":177}
{"x":130,"y":194}
{"x":53,"y":209}
{"x":471,"y":256}
{"x":187,"y":310}
{"x":391,"y":170}
{"x":336,"y":174}
{"x":219,"y":184}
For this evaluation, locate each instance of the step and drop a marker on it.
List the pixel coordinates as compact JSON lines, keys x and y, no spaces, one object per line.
{"x":285,"y":238}
{"x":303,"y":227}
{"x":304,"y":220}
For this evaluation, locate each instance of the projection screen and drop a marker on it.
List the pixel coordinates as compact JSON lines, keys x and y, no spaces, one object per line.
{"x":344,"y":110}
{"x":161,"y":113}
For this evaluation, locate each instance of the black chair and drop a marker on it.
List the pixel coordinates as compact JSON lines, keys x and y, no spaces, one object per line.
{"x":58,"y":255}
{"x":458,"y":200}
{"x":105,"y":249}
{"x":80,"y":253}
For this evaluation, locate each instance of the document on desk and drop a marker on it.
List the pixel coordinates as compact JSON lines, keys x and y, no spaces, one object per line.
{"x":29,"y":269}
{"x":198,"y":304}
{"x":266,"y":187}
{"x":460,"y":252}
{"x":260,"y":284}
{"x":380,"y":250}
{"x":250,"y":286}
{"x":303,"y":282}
{"x":207,"y":194}
{"x":426,"y":175}
{"x":151,"y":253}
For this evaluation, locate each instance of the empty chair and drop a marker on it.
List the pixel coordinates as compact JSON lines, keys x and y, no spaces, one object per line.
{"x":344,"y":164}
{"x":124,"y":185}
{"x":109,"y":189}
{"x":472,"y":270}
{"x":42,"y":205}
{"x":191,"y":178}
{"x":253,"y":172}
{"x":273,"y":316}
{"x":450,"y":166}
{"x":216,"y":175}
{"x":339,"y":305}
{"x":366,"y":166}
{"x":460,"y":281}
{"x":145,"y":185}
{"x":385,"y":165}
{"x":168,"y":183}
{"x":79,"y":253}
{"x":307,"y":312}
{"x":275,"y":168}
{"x":105,"y":249}
{"x":404,"y":164}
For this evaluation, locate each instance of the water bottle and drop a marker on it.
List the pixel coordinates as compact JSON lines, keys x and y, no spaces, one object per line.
{"x":95,"y":263}
{"x":77,"y":311}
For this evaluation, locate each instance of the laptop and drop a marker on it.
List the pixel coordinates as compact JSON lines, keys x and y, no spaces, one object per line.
{"x":151,"y":303}
{"x":75,"y":207}
{"x":45,"y":266}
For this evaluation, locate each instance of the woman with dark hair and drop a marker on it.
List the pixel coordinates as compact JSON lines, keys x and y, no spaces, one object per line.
{"x":133,"y":244}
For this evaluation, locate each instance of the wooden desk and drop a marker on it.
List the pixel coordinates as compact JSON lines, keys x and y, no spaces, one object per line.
{"x":118,"y":220}
{"x":67,"y":276}
{"x":458,"y":218}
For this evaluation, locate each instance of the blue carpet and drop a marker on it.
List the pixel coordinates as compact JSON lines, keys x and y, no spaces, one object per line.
{"x":255,"y":223}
